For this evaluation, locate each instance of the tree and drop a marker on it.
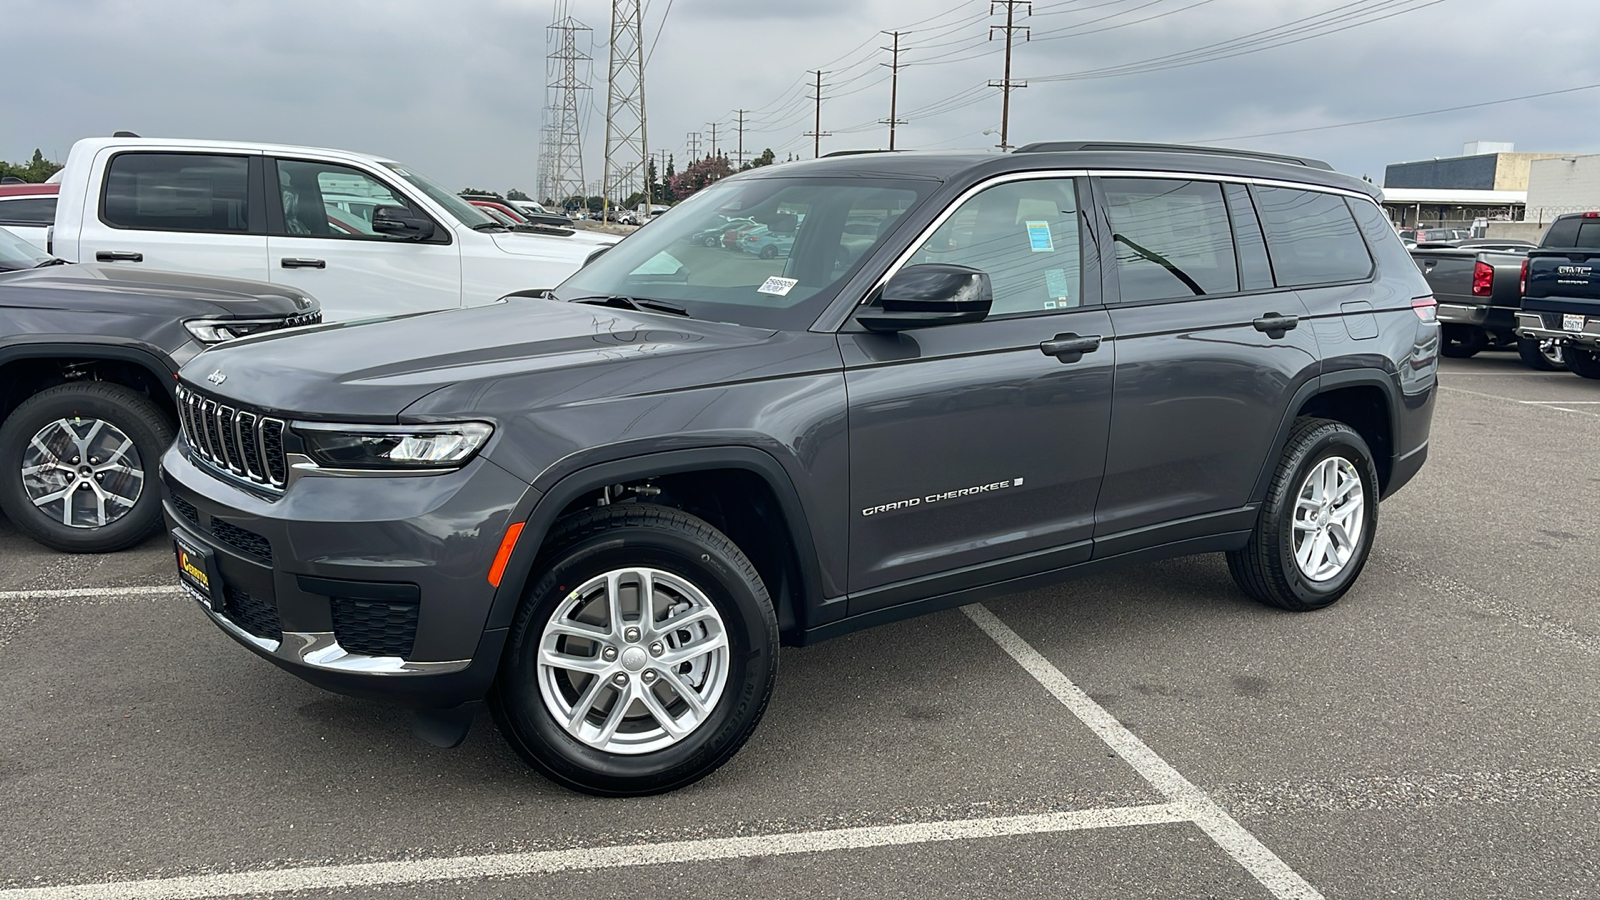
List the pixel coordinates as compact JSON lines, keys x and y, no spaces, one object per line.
{"x":576,"y":201}
{"x":634,"y":201}
{"x":478,"y":192}
{"x":766,"y":158}
{"x":34,"y":171}
{"x":596,"y":203}
{"x":515,"y":194}
{"x":668,"y":195}
{"x":700,"y":174}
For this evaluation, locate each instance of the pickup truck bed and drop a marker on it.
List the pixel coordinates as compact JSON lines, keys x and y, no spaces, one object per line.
{"x":1479,"y":292}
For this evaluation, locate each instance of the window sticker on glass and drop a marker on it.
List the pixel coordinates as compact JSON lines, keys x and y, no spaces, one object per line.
{"x":1039,"y":237}
{"x":1056,"y":286}
{"x":777,"y":286}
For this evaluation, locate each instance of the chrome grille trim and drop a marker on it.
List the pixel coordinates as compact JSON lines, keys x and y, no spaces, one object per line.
{"x":244,"y":444}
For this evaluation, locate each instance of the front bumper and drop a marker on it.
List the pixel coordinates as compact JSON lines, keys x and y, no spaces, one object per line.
{"x":372,"y":586}
{"x":1537,"y":325}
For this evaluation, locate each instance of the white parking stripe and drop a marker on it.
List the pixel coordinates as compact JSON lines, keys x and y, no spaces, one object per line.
{"x":1273,"y":873}
{"x":544,"y":862}
{"x":134,"y":590}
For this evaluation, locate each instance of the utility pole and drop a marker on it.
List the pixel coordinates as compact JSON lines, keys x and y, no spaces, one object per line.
{"x":817,"y":132}
{"x":694,"y":146}
{"x":713,"y":137}
{"x":1007,"y":84}
{"x":562,"y":172}
{"x":894,"y":85}
{"x":626,"y":144}
{"x":740,"y":160}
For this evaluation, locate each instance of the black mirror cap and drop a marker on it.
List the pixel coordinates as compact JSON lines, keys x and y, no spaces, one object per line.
{"x":596,"y":255}
{"x":398,"y":220}
{"x":930,"y":294}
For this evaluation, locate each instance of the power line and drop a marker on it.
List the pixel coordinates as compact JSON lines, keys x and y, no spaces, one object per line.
{"x":1006,"y":84}
{"x":894,"y":84}
{"x":817,"y":131}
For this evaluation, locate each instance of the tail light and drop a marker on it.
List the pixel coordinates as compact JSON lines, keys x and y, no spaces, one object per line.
{"x":1591,"y":215}
{"x":1522,"y":286}
{"x":1482,"y":279}
{"x":1426,"y":308}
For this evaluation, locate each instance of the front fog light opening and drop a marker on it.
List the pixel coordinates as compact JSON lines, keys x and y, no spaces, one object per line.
{"x":445,"y":446}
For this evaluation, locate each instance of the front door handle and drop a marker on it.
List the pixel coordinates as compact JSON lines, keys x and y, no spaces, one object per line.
{"x":1069,"y":347}
{"x":290,"y":262}
{"x":1274,"y":325}
{"x":118,"y":256}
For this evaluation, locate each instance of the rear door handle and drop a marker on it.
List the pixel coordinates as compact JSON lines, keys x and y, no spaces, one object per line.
{"x":1274,"y":325}
{"x":118,"y":256}
{"x":290,"y":262}
{"x":1070,"y":347}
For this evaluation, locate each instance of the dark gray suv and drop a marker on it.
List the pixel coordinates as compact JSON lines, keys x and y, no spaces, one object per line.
{"x":604,"y":510}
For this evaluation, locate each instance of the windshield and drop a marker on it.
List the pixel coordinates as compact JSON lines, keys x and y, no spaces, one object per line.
{"x":16,"y":253}
{"x":768,"y":252}
{"x":465,"y":212}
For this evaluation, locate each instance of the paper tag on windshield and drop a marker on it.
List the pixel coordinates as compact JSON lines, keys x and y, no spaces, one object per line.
{"x":777,"y":286}
{"x":1039,"y":237}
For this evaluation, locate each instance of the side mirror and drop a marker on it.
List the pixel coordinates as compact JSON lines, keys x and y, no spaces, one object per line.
{"x":930,"y":294}
{"x":596,"y":255}
{"x":398,"y":221}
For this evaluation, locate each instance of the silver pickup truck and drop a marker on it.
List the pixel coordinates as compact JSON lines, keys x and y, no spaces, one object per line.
{"x":1479,"y":286}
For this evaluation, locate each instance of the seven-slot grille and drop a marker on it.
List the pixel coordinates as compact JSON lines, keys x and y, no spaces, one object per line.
{"x":247,"y":444}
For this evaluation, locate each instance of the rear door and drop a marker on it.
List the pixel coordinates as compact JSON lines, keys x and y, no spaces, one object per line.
{"x":178,"y":210}
{"x":1209,"y":353}
{"x":971,"y":446}
{"x":322,"y":242}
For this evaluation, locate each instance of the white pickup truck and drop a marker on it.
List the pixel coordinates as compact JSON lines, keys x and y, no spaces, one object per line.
{"x":366,"y":236}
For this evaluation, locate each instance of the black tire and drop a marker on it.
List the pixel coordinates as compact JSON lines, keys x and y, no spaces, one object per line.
{"x":600,"y":540}
{"x":769,"y":252}
{"x":1582,"y":361}
{"x":1536,"y":357}
{"x":1462,"y":341}
{"x":134,"y":414}
{"x":1266,"y":568}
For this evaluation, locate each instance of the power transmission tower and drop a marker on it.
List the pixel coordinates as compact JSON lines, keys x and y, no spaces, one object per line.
{"x":740,"y":160}
{"x":817,"y":132}
{"x":562,"y":172}
{"x":626,"y":145}
{"x":1010,"y":28}
{"x":713,"y":137}
{"x":894,"y":85}
{"x":694,"y":146}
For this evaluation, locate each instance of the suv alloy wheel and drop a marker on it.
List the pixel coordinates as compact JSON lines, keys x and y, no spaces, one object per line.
{"x":643,"y":657}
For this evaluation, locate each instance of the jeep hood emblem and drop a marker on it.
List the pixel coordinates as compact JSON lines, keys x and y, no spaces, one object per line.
{"x":217,"y":377}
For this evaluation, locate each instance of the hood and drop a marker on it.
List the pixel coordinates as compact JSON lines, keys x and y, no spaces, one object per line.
{"x":575,"y":247}
{"x":372,"y":371}
{"x":88,"y":286}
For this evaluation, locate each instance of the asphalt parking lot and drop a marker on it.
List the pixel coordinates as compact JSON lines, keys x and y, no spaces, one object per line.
{"x":1146,"y":733}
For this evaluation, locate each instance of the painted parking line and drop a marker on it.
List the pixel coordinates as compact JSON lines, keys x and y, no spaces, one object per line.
{"x":1242,"y":846}
{"x":546,"y":862}
{"x":133,"y":590}
{"x":1558,"y":405}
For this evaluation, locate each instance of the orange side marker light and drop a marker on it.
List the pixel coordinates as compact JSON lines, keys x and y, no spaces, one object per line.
{"x":507,"y":544}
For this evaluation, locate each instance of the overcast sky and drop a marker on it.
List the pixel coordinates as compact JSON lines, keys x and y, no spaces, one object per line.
{"x":456,"y":89}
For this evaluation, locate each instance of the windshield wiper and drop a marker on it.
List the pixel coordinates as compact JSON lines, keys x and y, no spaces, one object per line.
{"x":642,"y":304}
{"x":53,"y":261}
{"x":489,"y":226}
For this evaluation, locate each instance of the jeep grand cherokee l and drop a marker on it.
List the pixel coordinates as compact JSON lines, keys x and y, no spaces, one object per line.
{"x":604,"y":510}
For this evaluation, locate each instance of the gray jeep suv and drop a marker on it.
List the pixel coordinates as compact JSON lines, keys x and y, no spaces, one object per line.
{"x":603,"y":510}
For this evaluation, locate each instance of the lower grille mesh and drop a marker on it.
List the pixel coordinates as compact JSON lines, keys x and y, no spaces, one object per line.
{"x":254,"y":615}
{"x":374,"y":627}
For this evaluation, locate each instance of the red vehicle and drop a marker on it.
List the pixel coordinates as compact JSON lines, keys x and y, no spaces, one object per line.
{"x":510,"y":213}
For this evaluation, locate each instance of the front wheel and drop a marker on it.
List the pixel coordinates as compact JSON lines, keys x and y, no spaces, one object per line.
{"x":642,"y":658}
{"x":1584,"y":361}
{"x":1315,"y":529}
{"x":1541,"y":354}
{"x":78,"y":466}
{"x":769,"y":252}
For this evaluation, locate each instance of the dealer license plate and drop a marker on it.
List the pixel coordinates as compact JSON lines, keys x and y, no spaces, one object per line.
{"x":194,"y":569}
{"x":1571,"y":322}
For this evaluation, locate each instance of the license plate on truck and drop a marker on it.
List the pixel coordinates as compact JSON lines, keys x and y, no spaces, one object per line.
{"x":1570,"y":322}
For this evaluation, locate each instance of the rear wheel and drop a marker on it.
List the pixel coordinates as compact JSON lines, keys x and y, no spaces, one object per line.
{"x":769,"y":252}
{"x":1316,"y":527}
{"x":1583,"y":360}
{"x":1462,"y":341}
{"x":1542,"y":354}
{"x":78,"y":466}
{"x":643,"y":657}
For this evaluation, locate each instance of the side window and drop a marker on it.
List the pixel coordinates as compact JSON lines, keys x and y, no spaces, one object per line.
{"x":28,"y":211}
{"x":1255,"y":271}
{"x":177,"y":192}
{"x":1025,"y":235}
{"x":1312,"y":237}
{"x":1172,"y":239}
{"x":329,"y":200}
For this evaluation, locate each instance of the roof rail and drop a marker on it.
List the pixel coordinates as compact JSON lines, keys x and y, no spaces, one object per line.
{"x":852,"y":153}
{"x":1076,"y":146}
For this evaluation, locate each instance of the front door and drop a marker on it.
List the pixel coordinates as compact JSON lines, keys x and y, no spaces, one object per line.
{"x":971,"y":445}
{"x":322,"y":242}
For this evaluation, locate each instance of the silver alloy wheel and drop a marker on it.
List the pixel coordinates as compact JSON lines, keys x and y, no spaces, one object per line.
{"x":1330,"y":513}
{"x":83,"y":473}
{"x":633,"y":660}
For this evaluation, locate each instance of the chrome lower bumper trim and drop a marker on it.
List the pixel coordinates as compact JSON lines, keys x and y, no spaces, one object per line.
{"x":1460,"y":314}
{"x":320,"y":650}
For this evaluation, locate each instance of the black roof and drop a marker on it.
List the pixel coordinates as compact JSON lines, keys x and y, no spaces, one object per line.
{"x":962,"y":165}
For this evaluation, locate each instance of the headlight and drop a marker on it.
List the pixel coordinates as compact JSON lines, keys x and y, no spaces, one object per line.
{"x":215,"y":331}
{"x":392,"y":446}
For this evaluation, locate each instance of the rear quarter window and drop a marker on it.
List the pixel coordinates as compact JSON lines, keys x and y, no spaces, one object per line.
{"x":28,"y":211}
{"x":177,"y":192}
{"x":1311,"y":237}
